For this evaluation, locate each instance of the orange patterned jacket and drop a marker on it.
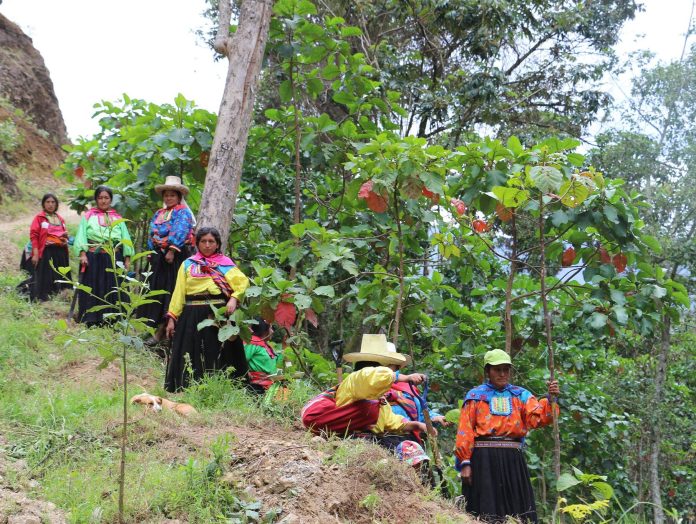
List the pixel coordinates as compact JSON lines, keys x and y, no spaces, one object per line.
{"x":487,"y":412}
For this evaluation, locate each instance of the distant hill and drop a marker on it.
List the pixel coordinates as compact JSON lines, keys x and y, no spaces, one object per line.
{"x":32,"y":129}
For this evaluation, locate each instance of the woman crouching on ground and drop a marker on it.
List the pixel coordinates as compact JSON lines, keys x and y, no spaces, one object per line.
{"x":207,"y":278}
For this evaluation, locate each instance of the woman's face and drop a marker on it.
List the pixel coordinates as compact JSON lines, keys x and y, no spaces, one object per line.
{"x":499,"y":375}
{"x":50,"y":205}
{"x":170,"y":198}
{"x":103,"y":201}
{"x":207,"y":245}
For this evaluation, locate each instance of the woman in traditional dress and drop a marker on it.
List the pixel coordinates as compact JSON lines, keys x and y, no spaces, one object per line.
{"x":49,"y":247}
{"x":171,"y":239}
{"x":494,"y":420}
{"x":262,"y":359}
{"x":96,"y":231}
{"x":207,"y":278}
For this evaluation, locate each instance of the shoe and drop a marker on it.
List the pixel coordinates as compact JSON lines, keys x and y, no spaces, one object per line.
{"x":151,"y":342}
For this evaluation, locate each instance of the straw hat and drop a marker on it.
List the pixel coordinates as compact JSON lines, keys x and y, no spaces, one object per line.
{"x":375,"y":348}
{"x":172,"y":183}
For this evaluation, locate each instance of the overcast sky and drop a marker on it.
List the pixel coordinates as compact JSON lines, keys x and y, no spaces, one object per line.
{"x":98,"y":50}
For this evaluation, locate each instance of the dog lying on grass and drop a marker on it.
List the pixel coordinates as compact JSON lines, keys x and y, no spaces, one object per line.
{"x":155,"y":404}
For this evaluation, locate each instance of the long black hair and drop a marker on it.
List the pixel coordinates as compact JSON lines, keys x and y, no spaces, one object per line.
{"x":261,"y":329}
{"x":102,"y":189}
{"x":209,"y":231}
{"x":46,"y":197}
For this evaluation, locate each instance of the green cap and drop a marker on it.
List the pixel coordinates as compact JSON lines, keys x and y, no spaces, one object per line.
{"x":496,"y":357}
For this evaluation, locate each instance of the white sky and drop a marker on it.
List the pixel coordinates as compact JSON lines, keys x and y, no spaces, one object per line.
{"x":97,"y":50}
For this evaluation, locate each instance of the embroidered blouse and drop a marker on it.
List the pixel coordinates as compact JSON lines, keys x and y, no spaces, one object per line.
{"x":171,"y":228}
{"x":191,"y":280}
{"x":94,"y":229}
{"x":370,"y":384}
{"x":47,"y":230}
{"x":488,"y":412}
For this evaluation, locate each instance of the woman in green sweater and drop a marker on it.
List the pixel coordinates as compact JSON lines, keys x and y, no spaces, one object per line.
{"x":262,"y":359}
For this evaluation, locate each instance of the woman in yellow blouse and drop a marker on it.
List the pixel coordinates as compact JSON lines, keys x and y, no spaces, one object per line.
{"x":207,"y":278}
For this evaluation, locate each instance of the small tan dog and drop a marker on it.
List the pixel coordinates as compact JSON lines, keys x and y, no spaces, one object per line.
{"x":157,"y":403}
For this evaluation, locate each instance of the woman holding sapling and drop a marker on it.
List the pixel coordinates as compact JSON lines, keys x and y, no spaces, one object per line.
{"x":494,"y":420}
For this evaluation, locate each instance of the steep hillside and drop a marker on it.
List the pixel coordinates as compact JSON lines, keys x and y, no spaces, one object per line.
{"x":32,"y":130}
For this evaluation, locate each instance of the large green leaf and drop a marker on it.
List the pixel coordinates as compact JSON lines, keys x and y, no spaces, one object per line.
{"x":566,"y":481}
{"x":547,"y":179}
{"x":510,"y":196}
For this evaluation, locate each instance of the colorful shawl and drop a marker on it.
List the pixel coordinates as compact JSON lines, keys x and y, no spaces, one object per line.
{"x":210,"y":267}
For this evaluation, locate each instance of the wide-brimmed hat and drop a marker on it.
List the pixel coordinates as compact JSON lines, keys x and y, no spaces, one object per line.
{"x":375,"y":348}
{"x":172,"y":183}
{"x":496,"y":357}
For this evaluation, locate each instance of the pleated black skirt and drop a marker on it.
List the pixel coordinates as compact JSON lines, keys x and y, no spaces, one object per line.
{"x":163,"y":277}
{"x":501,"y":486}
{"x":195,"y":352}
{"x":44,"y":283}
{"x":102,"y":283}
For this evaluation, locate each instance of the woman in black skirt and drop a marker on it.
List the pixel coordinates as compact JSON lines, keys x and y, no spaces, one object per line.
{"x":206,"y":279}
{"x":49,"y":245}
{"x":495,"y":418}
{"x":170,"y":237}
{"x":96,"y":231}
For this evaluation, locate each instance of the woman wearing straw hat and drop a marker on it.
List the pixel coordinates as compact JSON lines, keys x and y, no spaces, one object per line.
{"x":171,"y":238}
{"x":356,"y":405}
{"x":495,"y":418}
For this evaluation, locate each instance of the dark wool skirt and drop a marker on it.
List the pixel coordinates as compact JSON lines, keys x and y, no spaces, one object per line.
{"x":163,"y":277}
{"x":44,"y":283}
{"x":205,"y":352}
{"x":102,"y":283}
{"x":501,"y":486}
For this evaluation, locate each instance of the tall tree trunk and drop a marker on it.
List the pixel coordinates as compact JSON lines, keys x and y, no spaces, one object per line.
{"x":507,"y":320}
{"x":655,"y":433}
{"x":549,"y":341}
{"x":244,"y":50}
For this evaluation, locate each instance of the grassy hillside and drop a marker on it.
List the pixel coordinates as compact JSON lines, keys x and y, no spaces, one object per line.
{"x":238,"y":460}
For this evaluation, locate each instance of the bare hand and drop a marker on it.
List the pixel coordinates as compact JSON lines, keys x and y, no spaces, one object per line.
{"x":554,"y":390}
{"x":414,"y":378}
{"x":231,"y":306}
{"x":466,"y":475}
{"x":126,"y":263}
{"x":169,"y":333}
{"x":440,"y":419}
{"x":169,"y":257}
{"x":83,"y":259}
{"x":35,"y":258}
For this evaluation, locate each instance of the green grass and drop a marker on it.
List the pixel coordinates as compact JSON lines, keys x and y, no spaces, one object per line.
{"x":68,"y":429}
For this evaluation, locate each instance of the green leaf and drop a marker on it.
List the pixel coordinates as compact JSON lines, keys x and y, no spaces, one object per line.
{"x":350,"y":266}
{"x":205,"y":323}
{"x":326,"y":291}
{"x":285,"y":91}
{"x":303,"y":301}
{"x":453,"y":416}
{"x":573,"y":193}
{"x":180,"y":136}
{"x":566,"y":481}
{"x":617,"y":297}
{"x":547,"y":179}
{"x":349,"y":31}
{"x":652,"y":243}
{"x":330,"y":72}
{"x":228,"y":331}
{"x":598,"y":320}
{"x":510,"y":196}
{"x":515,"y":145}
{"x":602,"y":490}
{"x":253,"y":291}
{"x":621,"y":314}
{"x":658,"y":292}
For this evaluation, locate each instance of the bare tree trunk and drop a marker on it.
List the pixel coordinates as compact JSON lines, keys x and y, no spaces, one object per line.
{"x":508,"y":289}
{"x":400,"y":298}
{"x":298,"y":164}
{"x":549,"y":341}
{"x":244,"y":51}
{"x":655,"y":433}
